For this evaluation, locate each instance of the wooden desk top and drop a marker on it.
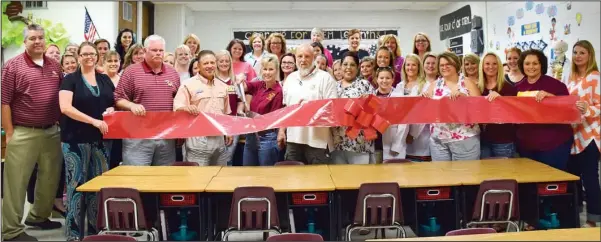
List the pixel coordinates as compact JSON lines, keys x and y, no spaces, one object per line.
{"x":281,"y":183}
{"x":205,"y":171}
{"x":578,"y":234}
{"x":426,"y":178}
{"x":273,"y":170}
{"x":149,"y":184}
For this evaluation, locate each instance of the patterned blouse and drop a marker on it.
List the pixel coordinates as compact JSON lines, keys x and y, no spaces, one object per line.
{"x":587,"y":131}
{"x":451,"y":132}
{"x":358,"y":88}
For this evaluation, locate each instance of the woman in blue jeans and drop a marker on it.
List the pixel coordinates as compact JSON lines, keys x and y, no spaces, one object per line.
{"x":261,"y":148}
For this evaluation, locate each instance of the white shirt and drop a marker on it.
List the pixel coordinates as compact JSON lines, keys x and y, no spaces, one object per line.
{"x":316,"y":86}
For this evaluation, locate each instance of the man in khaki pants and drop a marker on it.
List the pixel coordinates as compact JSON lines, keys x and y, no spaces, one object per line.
{"x":30,"y":112}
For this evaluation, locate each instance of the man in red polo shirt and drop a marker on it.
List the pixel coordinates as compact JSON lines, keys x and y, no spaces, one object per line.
{"x":148,"y":86}
{"x":30,"y":112}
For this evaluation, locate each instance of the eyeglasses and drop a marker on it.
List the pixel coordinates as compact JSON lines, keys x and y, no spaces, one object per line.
{"x":86,"y":55}
{"x":287,"y":63}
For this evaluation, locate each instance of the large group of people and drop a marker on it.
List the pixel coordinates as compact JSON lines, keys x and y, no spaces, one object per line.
{"x":53,"y":106}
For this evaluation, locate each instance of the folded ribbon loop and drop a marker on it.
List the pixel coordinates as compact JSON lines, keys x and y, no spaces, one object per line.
{"x":362,"y":116}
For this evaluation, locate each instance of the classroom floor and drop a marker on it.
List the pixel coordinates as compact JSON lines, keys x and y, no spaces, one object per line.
{"x":59,"y":235}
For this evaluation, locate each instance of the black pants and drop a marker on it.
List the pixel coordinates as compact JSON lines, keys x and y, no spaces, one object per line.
{"x":33,"y":178}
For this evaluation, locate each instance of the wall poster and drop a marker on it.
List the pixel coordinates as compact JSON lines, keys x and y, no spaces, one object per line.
{"x":456,"y":23}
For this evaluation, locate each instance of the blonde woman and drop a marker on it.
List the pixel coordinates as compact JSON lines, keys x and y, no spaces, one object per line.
{"x":169,"y":59}
{"x":584,"y":82}
{"x":414,"y":84}
{"x":470,"y":67}
{"x":367,"y":67}
{"x":257,"y":45}
{"x":514,"y":75}
{"x":111,"y":66}
{"x":453,"y":142}
{"x":430,"y":67}
{"x":393,"y":45}
{"x":193,"y":43}
{"x":225,"y":74}
{"x":337,"y":70}
{"x":261,"y":149}
{"x":496,"y":140}
{"x":421,"y":45}
{"x":182,"y":61}
{"x":134,"y":55}
{"x":276,"y":44}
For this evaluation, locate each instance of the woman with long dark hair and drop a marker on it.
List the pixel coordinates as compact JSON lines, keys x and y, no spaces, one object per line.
{"x":124,"y":40}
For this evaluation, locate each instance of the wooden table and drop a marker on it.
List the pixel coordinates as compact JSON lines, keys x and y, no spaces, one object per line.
{"x":205,"y":171}
{"x":578,"y":234}
{"x":272,"y":170}
{"x":280,"y":183}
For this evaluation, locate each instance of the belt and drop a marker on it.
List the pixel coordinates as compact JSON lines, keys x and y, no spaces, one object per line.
{"x":264,"y":132}
{"x":36,"y":126}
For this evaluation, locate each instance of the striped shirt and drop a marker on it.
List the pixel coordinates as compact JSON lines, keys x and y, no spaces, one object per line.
{"x":31,"y":90}
{"x":155,"y":91}
{"x":588,"y":90}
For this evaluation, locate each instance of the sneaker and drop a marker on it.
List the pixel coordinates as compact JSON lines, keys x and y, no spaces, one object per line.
{"x":45,"y":225}
{"x":589,"y":225}
{"x":22,"y":237}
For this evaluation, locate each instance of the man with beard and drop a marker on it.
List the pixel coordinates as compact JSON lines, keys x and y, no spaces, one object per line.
{"x":307,"y":144}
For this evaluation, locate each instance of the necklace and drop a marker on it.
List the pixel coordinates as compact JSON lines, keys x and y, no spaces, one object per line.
{"x":95,"y":90}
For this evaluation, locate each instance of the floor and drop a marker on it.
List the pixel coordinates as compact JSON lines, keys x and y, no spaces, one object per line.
{"x":58,"y":234}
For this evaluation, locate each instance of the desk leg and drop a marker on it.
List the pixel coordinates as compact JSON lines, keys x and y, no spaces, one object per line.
{"x":333,"y":217}
{"x":209,"y":205}
{"x":575,"y":202}
{"x":82,"y":216}
{"x":339,"y":212}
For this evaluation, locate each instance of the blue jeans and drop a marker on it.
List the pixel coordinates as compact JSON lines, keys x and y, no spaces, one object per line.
{"x":496,"y":150}
{"x":586,"y":166}
{"x":263,"y":152}
{"x":556,"y":158}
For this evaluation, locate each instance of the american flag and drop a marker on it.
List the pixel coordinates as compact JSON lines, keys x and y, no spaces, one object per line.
{"x":89,"y":30}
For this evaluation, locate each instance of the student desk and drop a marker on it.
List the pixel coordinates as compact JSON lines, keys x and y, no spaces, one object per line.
{"x":534,"y":180}
{"x":578,"y":234}
{"x":203,"y":171}
{"x":153,"y":185}
{"x":414,"y":179}
{"x":288,"y":183}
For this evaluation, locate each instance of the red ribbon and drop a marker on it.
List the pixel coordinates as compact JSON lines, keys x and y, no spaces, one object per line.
{"x":364,"y":117}
{"x":332,"y":113}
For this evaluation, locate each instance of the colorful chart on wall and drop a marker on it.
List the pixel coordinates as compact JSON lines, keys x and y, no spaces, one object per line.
{"x":335,"y":40}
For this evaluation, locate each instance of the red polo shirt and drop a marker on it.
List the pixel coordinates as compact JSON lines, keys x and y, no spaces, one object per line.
{"x":265,"y":100}
{"x":155,"y":91}
{"x":31,"y":90}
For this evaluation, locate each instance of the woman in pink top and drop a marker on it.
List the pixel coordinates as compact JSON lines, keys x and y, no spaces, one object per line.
{"x":242,"y":69}
{"x":392,"y":43}
{"x":453,"y":142}
{"x":584,"y":161}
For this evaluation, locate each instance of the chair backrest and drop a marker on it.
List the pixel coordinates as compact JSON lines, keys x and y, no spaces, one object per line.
{"x":124,"y":209}
{"x":471,"y":231}
{"x":395,"y":161}
{"x":254,"y":208}
{"x":184,"y":163}
{"x":296,"y":237}
{"x":494,"y":201}
{"x":108,"y":237}
{"x":378,"y":204}
{"x":289,"y":163}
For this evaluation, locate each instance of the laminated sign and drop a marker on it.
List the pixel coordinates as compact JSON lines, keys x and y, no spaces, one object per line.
{"x":456,"y":23}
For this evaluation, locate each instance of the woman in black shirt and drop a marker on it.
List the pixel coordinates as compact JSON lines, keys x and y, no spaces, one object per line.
{"x":84,"y":97}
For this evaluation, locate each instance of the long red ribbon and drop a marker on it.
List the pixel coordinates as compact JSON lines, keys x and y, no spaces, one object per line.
{"x":331,"y":113}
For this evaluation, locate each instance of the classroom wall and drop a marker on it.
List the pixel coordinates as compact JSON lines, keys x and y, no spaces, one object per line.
{"x":215,"y":28}
{"x":72,"y":16}
{"x":477,"y":8}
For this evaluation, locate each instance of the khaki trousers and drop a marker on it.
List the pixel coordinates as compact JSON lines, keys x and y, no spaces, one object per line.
{"x":27,"y":147}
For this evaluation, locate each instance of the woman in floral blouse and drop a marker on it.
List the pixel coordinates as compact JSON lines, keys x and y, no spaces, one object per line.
{"x":347,"y":150}
{"x":584,"y":83}
{"x":452,"y":142}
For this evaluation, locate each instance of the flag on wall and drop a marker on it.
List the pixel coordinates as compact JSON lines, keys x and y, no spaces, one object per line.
{"x":89,"y":29}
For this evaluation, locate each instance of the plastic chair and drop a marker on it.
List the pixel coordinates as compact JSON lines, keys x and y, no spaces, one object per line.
{"x":289,"y":163}
{"x":108,"y":237}
{"x":378,"y":207}
{"x":253,"y":209}
{"x":471,"y":231}
{"x":497,"y":203}
{"x":121,"y":212}
{"x":395,"y":161}
{"x":184,"y":163}
{"x":296,"y":237}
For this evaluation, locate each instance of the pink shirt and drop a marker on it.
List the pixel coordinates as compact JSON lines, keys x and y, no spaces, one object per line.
{"x":244,"y":67}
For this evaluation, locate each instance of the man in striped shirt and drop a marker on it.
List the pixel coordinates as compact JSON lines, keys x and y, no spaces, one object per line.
{"x":148,"y":86}
{"x":30,"y":112}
